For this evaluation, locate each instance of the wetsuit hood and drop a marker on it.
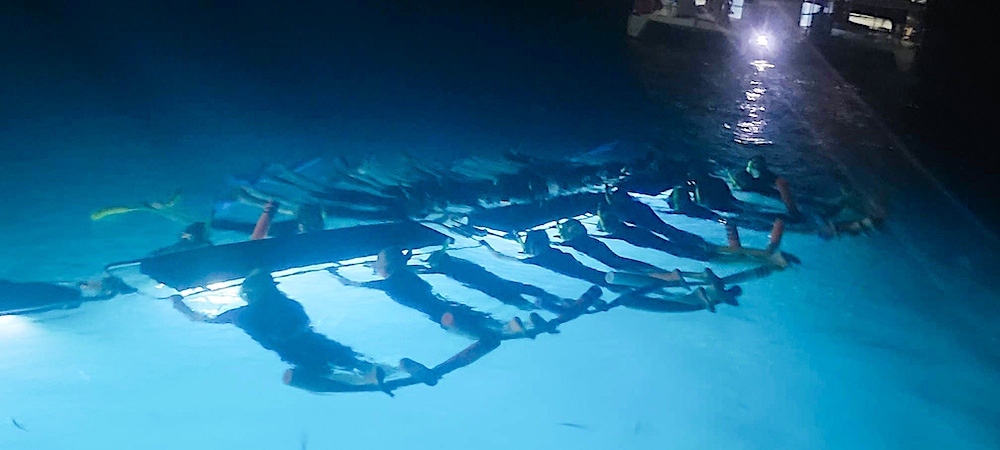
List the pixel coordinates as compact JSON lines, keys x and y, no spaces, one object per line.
{"x":536,"y":242}
{"x":571,"y":229}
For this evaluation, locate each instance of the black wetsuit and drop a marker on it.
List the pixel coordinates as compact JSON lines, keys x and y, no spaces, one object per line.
{"x":763,"y":183}
{"x":281,"y":325}
{"x":564,"y":263}
{"x":638,"y":213}
{"x":474,"y":276}
{"x":681,"y":202}
{"x":408,"y":289}
{"x":22,"y":298}
{"x":600,"y":251}
{"x":640,"y":237}
{"x":714,"y":193}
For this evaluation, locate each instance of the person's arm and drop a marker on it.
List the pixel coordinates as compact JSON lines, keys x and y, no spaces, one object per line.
{"x":196,"y":316}
{"x":184,"y":309}
{"x":264,"y":222}
{"x":496,"y":253}
{"x":426,"y":269}
{"x":344,"y":280}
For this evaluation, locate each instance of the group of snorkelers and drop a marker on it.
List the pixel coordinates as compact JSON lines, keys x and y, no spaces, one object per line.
{"x":403,"y":187}
{"x":621,"y":217}
{"x":416,"y":190}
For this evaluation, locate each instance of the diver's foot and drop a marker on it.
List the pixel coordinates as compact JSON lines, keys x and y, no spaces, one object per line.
{"x":592,"y":294}
{"x":538,"y":324}
{"x":731,"y":294}
{"x":514,"y":328}
{"x":712,"y":280}
{"x":419,"y":371}
{"x":581,"y":304}
{"x":376,"y":376}
{"x":600,"y":305}
{"x":778,"y":259}
{"x":680,"y":279}
{"x":722,"y":295}
{"x":702,"y":295}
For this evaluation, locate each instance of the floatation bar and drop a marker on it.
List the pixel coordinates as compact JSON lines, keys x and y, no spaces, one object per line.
{"x":223,"y":263}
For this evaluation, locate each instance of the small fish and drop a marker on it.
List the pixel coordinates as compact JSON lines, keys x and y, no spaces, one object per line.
{"x":19,"y":426}
{"x":575,"y":425}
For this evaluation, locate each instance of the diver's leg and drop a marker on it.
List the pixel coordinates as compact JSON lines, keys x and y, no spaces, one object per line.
{"x":467,"y":356}
{"x":545,"y":300}
{"x":470,"y":325}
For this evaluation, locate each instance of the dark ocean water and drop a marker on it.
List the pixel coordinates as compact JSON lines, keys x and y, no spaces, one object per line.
{"x":309,"y":80}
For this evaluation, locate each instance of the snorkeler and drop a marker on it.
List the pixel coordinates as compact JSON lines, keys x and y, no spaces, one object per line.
{"x":281,"y":325}
{"x":711,"y":192}
{"x":693,"y":200}
{"x":755,"y":177}
{"x":630,"y":210}
{"x":36,"y":297}
{"x":474,"y":276}
{"x":682,"y":201}
{"x":574,"y":235}
{"x":854,"y":213}
{"x":403,"y":286}
{"x":541,"y":253}
{"x":704,"y":251}
{"x":641,"y":237}
{"x":758,"y":177}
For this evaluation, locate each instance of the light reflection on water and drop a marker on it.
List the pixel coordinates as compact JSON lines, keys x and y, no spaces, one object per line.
{"x":761,"y":65}
{"x":752,"y":109}
{"x":14,"y":327}
{"x":751,"y":131}
{"x":752,"y":126}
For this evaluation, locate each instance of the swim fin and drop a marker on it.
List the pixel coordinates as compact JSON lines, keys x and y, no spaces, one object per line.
{"x":376,"y":377}
{"x":717,"y":292}
{"x":419,"y":371}
{"x":702,"y":295}
{"x":580,"y":305}
{"x":539,"y":325}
